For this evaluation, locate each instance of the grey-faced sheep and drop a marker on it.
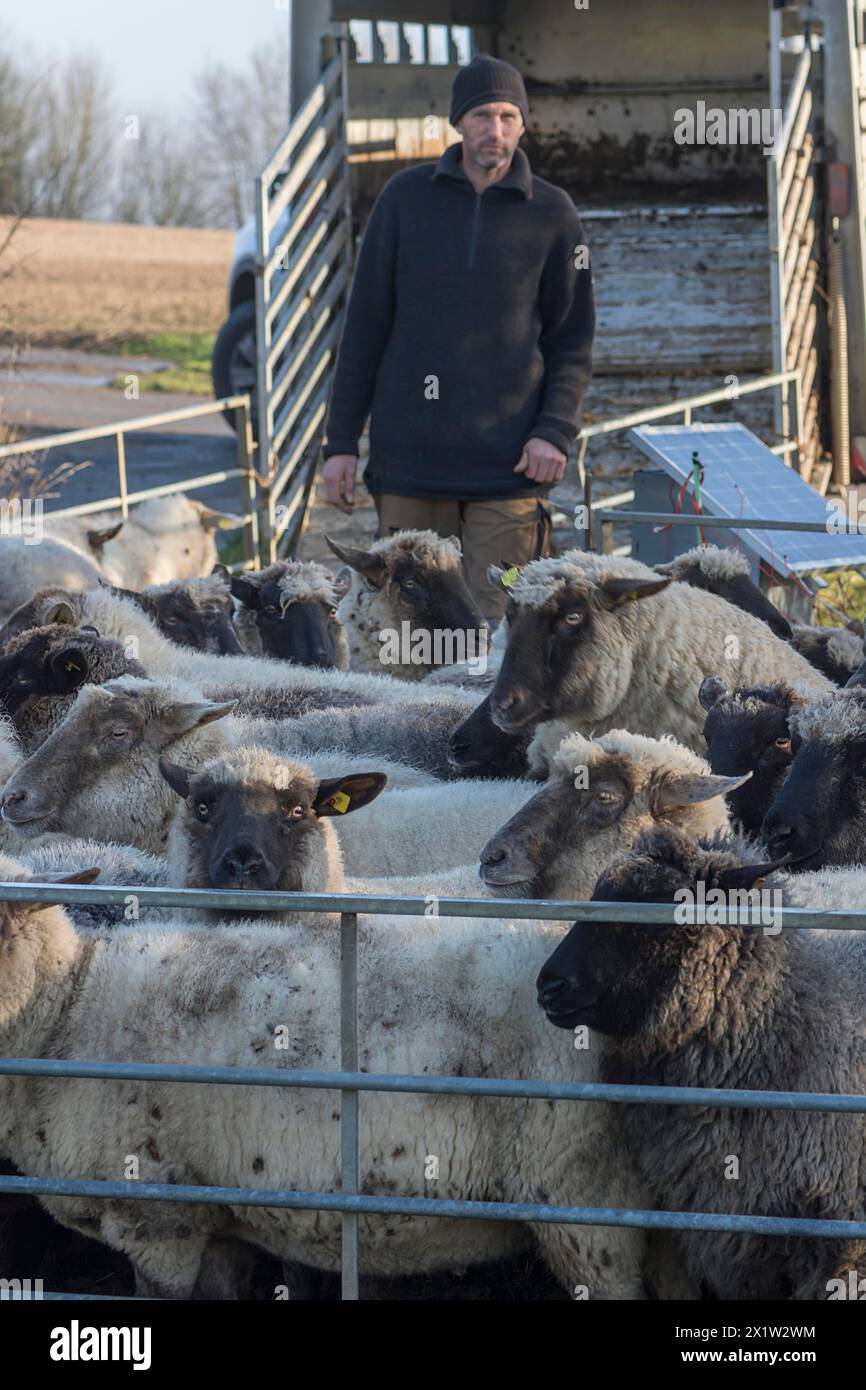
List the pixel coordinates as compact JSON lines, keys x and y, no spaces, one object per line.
{"x":728,"y":1007}
{"x":289,"y":611}
{"x":747,"y":731}
{"x":819,"y":813}
{"x":436,"y":996}
{"x":409,"y":585}
{"x":726,"y":572}
{"x":601,"y":642}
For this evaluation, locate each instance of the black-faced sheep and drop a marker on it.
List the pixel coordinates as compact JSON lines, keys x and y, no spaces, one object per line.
{"x":42,"y":670}
{"x":727,"y":573}
{"x":195,"y":613}
{"x":719,"y":1006}
{"x":601,"y":641}
{"x":747,"y":731}
{"x":837,"y":651}
{"x":409,"y":611}
{"x":289,"y":611}
{"x":819,"y":814}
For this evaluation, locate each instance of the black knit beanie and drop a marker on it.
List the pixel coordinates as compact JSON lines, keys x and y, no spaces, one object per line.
{"x":487,"y":79}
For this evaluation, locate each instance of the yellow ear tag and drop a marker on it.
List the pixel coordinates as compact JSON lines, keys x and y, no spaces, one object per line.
{"x":509,"y":577}
{"x":340,"y":802}
{"x":226,"y":525}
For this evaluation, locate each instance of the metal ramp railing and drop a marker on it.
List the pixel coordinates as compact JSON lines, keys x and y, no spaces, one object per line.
{"x":303,"y":260}
{"x":796,"y":238}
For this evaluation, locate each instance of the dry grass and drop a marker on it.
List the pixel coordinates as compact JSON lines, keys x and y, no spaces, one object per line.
{"x":93,"y":284}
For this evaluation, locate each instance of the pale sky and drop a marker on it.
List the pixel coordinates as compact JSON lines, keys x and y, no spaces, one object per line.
{"x":152,"y":49}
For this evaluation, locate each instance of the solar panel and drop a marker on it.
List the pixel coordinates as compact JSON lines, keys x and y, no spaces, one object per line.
{"x":741,"y":477}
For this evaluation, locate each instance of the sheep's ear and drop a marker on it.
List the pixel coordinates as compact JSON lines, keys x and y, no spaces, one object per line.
{"x":178,"y":778}
{"x":222,"y":570}
{"x":688,"y":788}
{"x":711,"y":690}
{"x":456,"y":542}
{"x":65,"y":876}
{"x":620,"y":590}
{"x":184,"y":717}
{"x":246,"y":590}
{"x":59,"y":876}
{"x":503,"y":576}
{"x":212,"y":520}
{"x":59,"y":611}
{"x":666,"y":568}
{"x":97,"y":539}
{"x":369,"y":565}
{"x":342,"y":583}
{"x":122,"y":593}
{"x":337,"y":795}
{"x":855,"y":625}
{"x":751,"y":875}
{"x":69,"y":667}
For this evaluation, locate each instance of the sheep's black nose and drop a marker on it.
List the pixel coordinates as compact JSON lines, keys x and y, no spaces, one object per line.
{"x":243,"y":861}
{"x":786,"y":832}
{"x":550,"y":991}
{"x":494,"y":855}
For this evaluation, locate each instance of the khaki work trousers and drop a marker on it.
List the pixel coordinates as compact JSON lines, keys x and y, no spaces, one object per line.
{"x":509,"y":531}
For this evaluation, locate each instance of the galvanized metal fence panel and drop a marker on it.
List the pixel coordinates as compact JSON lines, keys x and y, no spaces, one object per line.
{"x":303,"y":260}
{"x":349,"y":1203}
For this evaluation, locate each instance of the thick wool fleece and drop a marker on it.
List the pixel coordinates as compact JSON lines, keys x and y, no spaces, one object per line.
{"x":641,"y":664}
{"x":469,"y":330}
{"x":444,"y":996}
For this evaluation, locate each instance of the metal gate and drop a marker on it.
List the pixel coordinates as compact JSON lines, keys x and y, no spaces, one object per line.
{"x":796,"y":237}
{"x":303,"y":259}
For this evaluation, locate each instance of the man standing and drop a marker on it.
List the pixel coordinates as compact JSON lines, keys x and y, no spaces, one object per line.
{"x":468,"y":341}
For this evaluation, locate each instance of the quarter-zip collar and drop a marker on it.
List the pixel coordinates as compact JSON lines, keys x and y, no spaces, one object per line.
{"x":517,"y":180}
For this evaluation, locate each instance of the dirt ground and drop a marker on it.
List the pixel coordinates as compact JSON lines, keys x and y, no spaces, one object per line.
{"x":89,"y":284}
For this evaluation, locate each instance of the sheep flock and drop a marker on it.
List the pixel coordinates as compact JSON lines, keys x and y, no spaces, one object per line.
{"x":625,"y":735}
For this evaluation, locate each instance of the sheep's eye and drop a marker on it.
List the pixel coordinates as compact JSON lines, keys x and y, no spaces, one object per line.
{"x":574,"y":618}
{"x":606,"y":797}
{"x":119,"y":733}
{"x":332,"y":612}
{"x":295,"y":812}
{"x":783,"y":741}
{"x":270,"y":608}
{"x":170,"y":622}
{"x":409,"y":583}
{"x":202,"y":810}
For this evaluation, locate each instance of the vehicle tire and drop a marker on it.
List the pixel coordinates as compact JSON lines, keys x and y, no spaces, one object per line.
{"x":233,"y":365}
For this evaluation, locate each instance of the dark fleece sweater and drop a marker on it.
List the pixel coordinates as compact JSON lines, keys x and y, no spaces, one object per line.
{"x":469,"y":330}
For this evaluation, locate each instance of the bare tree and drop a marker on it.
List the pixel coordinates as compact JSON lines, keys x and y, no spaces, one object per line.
{"x":75,"y":152}
{"x":240,"y":118}
{"x":18,"y":135}
{"x":160,"y":178}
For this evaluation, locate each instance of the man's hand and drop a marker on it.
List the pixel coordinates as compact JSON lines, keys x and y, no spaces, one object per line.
{"x":542,"y":462}
{"x":339,"y":475}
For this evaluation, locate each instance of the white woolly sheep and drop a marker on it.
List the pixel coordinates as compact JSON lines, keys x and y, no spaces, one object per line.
{"x":439,"y":997}
{"x":601,"y":641}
